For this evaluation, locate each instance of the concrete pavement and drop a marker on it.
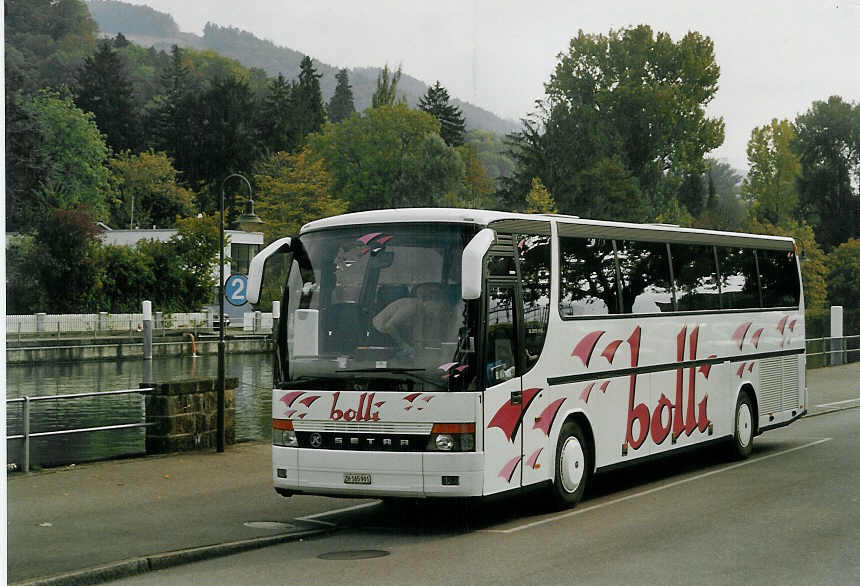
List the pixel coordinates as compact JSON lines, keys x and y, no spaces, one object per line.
{"x":96,"y":522}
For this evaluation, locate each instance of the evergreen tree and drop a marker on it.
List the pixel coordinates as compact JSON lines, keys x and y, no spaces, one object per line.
{"x":274,"y":123}
{"x":105,"y":90}
{"x":453,"y":126}
{"x":691,"y":194}
{"x":308,"y":112}
{"x":342,"y":104}
{"x":173,"y":116}
{"x":226,"y":135}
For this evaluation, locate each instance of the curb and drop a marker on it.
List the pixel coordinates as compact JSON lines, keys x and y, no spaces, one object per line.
{"x":830,"y":410}
{"x":160,"y":561}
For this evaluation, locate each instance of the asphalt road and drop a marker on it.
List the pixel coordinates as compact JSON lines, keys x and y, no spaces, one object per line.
{"x":788,"y":515}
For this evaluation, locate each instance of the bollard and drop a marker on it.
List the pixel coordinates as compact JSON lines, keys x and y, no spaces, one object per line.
{"x":837,"y":342}
{"x":26,"y":434}
{"x":147,"y":341}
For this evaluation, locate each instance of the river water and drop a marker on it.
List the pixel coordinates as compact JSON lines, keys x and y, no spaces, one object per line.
{"x":253,"y":403}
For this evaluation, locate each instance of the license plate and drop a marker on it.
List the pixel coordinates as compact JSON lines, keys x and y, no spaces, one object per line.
{"x":356,"y":478}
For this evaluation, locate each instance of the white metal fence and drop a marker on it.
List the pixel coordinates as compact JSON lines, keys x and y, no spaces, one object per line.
{"x":94,"y":323}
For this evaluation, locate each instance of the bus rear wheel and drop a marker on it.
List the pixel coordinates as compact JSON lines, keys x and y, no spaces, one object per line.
{"x":744,"y":427}
{"x":572,"y":465}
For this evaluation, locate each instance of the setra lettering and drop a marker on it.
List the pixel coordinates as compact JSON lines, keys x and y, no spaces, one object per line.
{"x":362,"y":412}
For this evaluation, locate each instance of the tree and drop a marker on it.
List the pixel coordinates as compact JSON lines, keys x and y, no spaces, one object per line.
{"x":843,"y":274}
{"x":631,"y":105}
{"x":227,"y":134}
{"x":72,"y":152}
{"x":308,"y":113}
{"x":389,"y":157}
{"x":452,"y":124}
{"x":539,"y":200}
{"x":25,"y":168}
{"x":828,"y":143}
{"x":274,"y":124}
{"x":692,"y":194}
{"x":771,"y":184}
{"x":147,"y":191}
{"x":293,"y":189}
{"x":386,"y":89}
{"x":57,"y":265}
{"x":104,"y":89}
{"x":477,"y":188}
{"x":174,"y":117}
{"x":341,"y":106}
{"x":46,"y":41}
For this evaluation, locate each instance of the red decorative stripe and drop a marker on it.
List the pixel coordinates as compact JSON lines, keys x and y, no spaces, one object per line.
{"x":586,"y":346}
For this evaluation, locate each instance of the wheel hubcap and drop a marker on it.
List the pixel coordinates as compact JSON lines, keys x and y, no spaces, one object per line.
{"x":572,"y":463}
{"x":744,"y":425}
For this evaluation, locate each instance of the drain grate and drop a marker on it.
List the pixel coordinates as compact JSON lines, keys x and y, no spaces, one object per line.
{"x":354,"y":554}
{"x":271,"y":525}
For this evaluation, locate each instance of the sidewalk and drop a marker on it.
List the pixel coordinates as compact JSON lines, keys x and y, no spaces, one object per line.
{"x":151,"y":512}
{"x":67,"y":519}
{"x":833,"y":388}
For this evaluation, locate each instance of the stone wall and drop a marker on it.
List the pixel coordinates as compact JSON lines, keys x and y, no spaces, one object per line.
{"x":185,"y":415}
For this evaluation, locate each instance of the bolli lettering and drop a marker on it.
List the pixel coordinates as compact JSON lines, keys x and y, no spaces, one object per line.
{"x":653,"y":422}
{"x":361,"y":413}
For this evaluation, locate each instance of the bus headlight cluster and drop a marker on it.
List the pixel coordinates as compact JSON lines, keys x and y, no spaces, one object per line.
{"x":283,"y":434}
{"x":452,"y":437}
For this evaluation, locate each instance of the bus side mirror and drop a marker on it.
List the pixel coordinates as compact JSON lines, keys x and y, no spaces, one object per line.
{"x":473,"y":263}
{"x":258,"y":264}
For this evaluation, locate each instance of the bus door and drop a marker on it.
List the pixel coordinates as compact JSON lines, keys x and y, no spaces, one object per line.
{"x":503,"y":394}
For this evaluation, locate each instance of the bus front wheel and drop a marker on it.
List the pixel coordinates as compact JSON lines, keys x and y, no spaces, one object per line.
{"x":744,"y":427}
{"x":572,"y":465}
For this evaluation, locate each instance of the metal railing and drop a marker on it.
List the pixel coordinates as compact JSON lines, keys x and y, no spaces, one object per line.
{"x":841,"y":348}
{"x":27,"y":435}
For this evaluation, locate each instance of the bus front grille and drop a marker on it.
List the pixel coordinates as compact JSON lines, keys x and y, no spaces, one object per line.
{"x":362,"y":442}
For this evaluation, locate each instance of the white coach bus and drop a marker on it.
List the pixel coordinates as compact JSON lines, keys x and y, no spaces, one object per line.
{"x":459,"y":353}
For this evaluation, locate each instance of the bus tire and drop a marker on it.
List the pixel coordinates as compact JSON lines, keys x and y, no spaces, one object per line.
{"x":572,"y":465}
{"x":744,"y":427}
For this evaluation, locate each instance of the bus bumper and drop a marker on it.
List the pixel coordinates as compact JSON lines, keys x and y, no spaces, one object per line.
{"x":412,"y":474}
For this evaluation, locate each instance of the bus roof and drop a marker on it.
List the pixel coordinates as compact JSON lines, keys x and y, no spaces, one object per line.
{"x":539,"y":223}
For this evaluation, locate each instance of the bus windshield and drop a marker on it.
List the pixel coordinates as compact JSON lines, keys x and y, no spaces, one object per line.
{"x":379,"y":306}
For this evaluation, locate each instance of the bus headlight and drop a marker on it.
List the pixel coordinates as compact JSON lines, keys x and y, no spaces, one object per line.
{"x":452,"y":437}
{"x":283,"y":434}
{"x":444,"y":442}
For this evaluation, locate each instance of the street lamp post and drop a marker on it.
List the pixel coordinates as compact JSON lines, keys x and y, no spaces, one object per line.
{"x":220,"y":387}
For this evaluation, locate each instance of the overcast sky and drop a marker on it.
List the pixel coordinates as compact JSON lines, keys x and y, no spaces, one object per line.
{"x":776,"y":57}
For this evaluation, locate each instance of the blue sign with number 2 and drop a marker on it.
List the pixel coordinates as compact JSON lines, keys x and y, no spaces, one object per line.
{"x":236,"y":289}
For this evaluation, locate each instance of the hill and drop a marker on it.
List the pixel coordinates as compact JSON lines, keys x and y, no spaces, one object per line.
{"x":148,"y":27}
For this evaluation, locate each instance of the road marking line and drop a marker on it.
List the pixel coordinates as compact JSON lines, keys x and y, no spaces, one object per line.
{"x":839,"y":402}
{"x":315,"y":517}
{"x":652,"y":490}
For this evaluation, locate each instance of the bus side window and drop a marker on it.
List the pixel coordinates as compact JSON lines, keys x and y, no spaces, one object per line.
{"x":535,"y":256}
{"x":588,"y":280}
{"x":645,"y":276}
{"x":501,"y":335}
{"x":780,"y":286}
{"x":739,"y":278}
{"x":695,"y":275}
